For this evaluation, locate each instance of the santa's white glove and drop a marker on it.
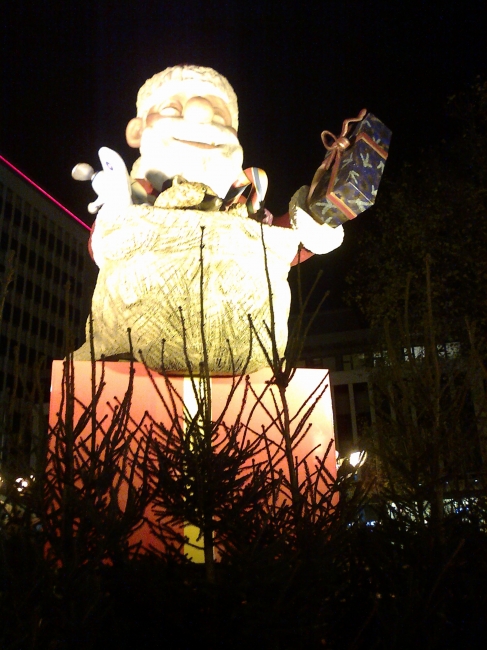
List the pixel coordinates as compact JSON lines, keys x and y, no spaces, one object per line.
{"x":112,"y":184}
{"x":317,"y":238}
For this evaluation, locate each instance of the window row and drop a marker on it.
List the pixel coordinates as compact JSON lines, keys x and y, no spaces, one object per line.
{"x":40,"y":233}
{"x":46,"y":299}
{"x":20,"y":388}
{"x":40,"y":265}
{"x":35,"y":325}
{"x":26,"y":354}
{"x":354,"y":361}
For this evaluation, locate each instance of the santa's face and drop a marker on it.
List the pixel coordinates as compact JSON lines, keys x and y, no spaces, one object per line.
{"x":190,"y":136}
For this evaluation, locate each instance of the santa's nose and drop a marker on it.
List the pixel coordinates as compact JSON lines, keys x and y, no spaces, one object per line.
{"x":198,"y":109}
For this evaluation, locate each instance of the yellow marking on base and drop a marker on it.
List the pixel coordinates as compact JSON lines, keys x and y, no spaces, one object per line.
{"x":196,"y":555}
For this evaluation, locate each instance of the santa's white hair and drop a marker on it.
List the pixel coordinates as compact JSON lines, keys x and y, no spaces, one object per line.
{"x":204,"y":81}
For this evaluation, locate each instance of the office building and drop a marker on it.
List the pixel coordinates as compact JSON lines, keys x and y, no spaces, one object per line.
{"x":47,"y":301}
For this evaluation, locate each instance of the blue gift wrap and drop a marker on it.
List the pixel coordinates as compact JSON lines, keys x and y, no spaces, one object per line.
{"x":350,"y":184}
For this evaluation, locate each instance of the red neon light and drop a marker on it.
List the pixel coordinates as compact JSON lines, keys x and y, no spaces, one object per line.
{"x":48,"y":196}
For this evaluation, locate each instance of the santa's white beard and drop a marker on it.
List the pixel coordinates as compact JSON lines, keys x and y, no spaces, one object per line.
{"x":166,"y":151}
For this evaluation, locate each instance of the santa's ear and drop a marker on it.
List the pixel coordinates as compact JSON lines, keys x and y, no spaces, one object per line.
{"x":133,"y":132}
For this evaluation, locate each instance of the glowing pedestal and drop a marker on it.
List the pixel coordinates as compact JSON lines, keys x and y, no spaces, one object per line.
{"x":151,"y":395}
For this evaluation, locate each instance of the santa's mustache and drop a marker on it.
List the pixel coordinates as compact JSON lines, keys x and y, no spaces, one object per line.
{"x":180,"y":129}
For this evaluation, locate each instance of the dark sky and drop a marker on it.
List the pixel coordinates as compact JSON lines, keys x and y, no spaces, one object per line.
{"x":70,"y":72}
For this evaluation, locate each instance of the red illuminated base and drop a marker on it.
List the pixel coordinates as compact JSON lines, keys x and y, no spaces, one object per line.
{"x":165,"y":404}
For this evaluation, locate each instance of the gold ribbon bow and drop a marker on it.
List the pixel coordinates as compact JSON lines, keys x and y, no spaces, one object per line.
{"x":341,"y":143}
{"x":337,"y":147}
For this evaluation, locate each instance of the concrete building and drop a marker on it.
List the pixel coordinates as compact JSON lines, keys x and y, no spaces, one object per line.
{"x":339,"y":342}
{"x":48,"y":296}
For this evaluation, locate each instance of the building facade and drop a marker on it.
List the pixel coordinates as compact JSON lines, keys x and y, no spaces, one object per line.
{"x":43,"y":251}
{"x":363,"y":399}
{"x":340,"y":343}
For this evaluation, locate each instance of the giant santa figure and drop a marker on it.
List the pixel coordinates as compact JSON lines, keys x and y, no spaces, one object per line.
{"x":184,"y":257}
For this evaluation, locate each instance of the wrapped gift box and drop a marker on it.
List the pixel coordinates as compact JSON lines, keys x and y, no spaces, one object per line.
{"x":350,"y":185}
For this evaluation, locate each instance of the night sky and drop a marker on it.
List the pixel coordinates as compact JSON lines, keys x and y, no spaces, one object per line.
{"x":70,"y":72}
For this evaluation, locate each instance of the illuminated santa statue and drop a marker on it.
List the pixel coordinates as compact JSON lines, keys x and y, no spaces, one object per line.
{"x":184,"y":256}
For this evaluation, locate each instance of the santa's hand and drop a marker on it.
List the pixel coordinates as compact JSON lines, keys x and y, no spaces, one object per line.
{"x":112,"y":184}
{"x":317,"y":238}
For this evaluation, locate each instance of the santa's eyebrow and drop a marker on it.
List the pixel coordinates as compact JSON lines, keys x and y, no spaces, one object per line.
{"x":169,"y":103}
{"x":221,"y":109}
